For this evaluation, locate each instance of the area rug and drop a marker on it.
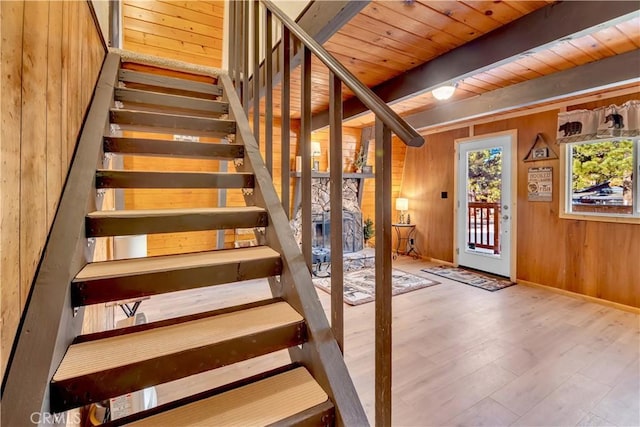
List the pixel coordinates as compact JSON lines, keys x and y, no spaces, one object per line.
{"x":469,"y":278}
{"x":359,"y":285}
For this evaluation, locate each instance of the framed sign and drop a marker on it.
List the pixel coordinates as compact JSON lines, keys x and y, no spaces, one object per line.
{"x":540,"y":184}
{"x":540,"y":153}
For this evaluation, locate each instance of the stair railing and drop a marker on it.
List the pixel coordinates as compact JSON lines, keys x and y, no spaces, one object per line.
{"x":253,"y":78}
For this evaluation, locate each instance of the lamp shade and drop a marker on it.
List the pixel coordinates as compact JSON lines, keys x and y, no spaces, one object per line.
{"x":443,"y":92}
{"x":402,"y":204}
{"x":315,"y":149}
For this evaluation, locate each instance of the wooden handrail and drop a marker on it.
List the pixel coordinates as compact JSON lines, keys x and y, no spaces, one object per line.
{"x":390,"y":118}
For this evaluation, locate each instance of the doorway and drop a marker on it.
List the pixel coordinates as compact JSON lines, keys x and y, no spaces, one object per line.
{"x":485,"y":217}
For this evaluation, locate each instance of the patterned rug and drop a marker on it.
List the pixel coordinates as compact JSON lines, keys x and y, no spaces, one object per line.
{"x":470,"y":278}
{"x":359,"y":284}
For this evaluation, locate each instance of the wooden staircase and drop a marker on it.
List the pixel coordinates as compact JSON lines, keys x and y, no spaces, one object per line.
{"x":314,"y":389}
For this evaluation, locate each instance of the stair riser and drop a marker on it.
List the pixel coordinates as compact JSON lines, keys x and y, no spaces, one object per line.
{"x":127,"y":287}
{"x":126,"y":179}
{"x":155,"y":147}
{"x":199,"y":125}
{"x":92,"y":388}
{"x":103,"y":227}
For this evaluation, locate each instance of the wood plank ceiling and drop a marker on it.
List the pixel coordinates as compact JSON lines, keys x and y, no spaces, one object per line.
{"x":388,"y":38}
{"x":184,"y":30}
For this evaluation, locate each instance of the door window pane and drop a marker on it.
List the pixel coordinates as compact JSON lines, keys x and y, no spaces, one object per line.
{"x":484,"y":182}
{"x":484,"y":194}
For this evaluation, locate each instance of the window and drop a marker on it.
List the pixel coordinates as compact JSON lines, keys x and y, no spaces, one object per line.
{"x":600,"y":181}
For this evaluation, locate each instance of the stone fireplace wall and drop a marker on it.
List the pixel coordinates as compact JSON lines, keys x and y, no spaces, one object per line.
{"x":320,"y":204}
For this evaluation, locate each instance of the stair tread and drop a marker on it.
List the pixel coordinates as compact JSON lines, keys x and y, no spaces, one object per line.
{"x":261,"y":403}
{"x":113,"y":352}
{"x":167,"y":148}
{"x":163,"y":114}
{"x":106,"y":178}
{"x":152,"y":79}
{"x":125,"y":267}
{"x":164,"y":100}
{"x":138,"y":213}
{"x":170,"y":122}
{"x":153,"y":221}
{"x":164,"y":172}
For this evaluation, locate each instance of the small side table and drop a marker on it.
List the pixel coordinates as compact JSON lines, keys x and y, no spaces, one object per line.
{"x":406,"y":235}
{"x":321,"y":256}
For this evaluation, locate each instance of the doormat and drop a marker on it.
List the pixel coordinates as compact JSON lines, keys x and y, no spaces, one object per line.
{"x":359,"y":285}
{"x":470,"y":278}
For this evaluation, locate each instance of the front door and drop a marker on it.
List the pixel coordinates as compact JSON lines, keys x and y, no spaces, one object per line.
{"x":485,"y":210}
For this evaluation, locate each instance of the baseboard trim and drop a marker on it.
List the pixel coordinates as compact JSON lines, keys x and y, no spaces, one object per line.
{"x":624,"y":307}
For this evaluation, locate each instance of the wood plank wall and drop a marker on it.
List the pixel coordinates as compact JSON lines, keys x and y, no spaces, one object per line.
{"x":51,"y":56}
{"x":592,"y":258}
{"x":399,"y":152}
{"x":428,"y":171}
{"x":350,"y":146}
{"x":170,"y":243}
{"x":190,"y":31}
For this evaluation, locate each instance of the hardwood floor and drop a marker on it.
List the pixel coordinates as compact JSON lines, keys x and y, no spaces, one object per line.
{"x":465,"y":356}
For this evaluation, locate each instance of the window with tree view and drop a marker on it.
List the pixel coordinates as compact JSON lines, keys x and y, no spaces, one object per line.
{"x":601,"y":177}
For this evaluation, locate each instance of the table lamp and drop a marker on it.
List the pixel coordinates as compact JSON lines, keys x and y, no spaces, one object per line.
{"x":402,"y":205}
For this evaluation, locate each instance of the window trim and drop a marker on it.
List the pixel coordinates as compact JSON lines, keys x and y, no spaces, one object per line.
{"x":565,"y":191}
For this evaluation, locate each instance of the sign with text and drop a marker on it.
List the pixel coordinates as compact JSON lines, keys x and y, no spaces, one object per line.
{"x":539,"y":184}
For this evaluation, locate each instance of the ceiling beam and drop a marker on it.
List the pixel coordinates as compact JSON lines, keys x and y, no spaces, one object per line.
{"x":321,"y":19}
{"x":606,"y":73}
{"x":531,"y":33}
{"x":560,"y":104}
